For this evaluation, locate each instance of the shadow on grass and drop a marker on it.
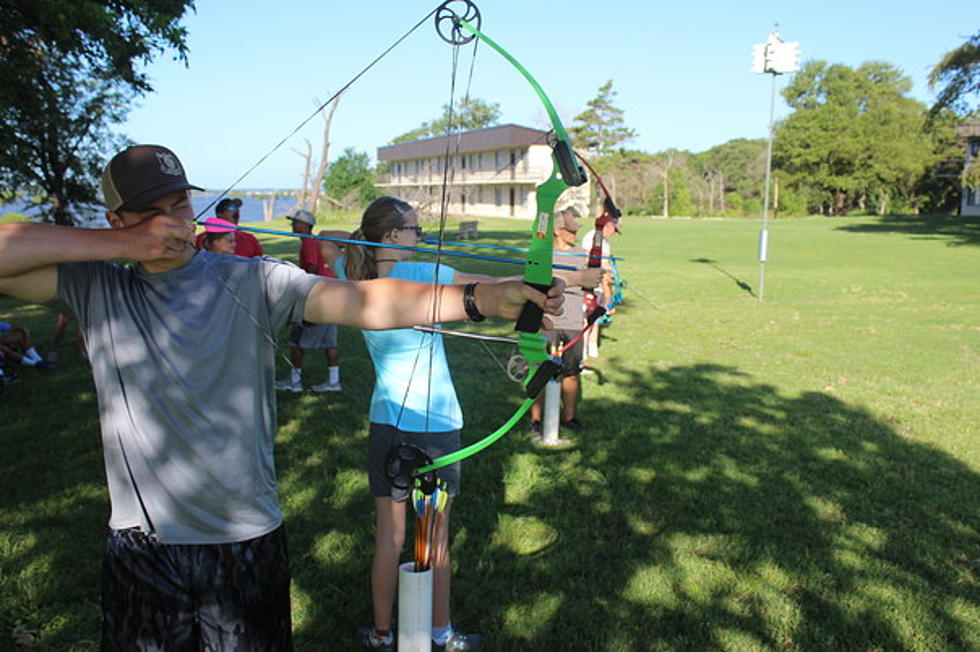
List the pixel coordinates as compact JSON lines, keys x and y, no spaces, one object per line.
{"x":742,"y":285}
{"x":707,"y":510}
{"x":959,"y":229}
{"x":710,"y":512}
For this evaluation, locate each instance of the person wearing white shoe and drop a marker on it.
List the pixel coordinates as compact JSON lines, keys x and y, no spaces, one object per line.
{"x":311,"y":337}
{"x":189,"y":460}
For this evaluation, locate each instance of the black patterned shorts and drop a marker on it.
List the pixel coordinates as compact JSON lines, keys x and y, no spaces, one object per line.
{"x":229,"y":596}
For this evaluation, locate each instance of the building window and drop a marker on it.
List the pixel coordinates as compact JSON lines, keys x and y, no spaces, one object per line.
{"x":972,"y":197}
{"x":479,"y":161}
{"x":973,"y":149}
{"x":498,"y":160}
{"x":498,"y":196}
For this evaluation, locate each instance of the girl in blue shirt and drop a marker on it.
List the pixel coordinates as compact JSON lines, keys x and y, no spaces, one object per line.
{"x":414,"y":402}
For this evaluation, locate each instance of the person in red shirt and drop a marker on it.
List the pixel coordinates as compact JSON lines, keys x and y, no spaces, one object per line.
{"x":246,"y":244}
{"x":311,"y":336}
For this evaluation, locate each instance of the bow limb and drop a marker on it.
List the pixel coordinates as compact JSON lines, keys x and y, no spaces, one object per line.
{"x":539,"y":258}
{"x":538,"y":268}
{"x":609,"y":213}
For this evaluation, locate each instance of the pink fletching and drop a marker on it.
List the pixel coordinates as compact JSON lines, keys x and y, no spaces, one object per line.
{"x":216,"y":225}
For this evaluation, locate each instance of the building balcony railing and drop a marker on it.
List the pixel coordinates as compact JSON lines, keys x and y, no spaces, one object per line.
{"x":948,"y":169}
{"x":459,"y":177}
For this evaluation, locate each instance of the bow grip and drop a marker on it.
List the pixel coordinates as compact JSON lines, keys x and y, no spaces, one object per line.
{"x":548,"y":370}
{"x":529,"y":320}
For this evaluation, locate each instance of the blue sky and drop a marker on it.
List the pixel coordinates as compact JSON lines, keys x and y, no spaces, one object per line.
{"x":681,"y":70}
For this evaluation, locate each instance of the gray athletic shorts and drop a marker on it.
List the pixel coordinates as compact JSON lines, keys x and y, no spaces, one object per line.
{"x":571,"y":359}
{"x":311,"y":337}
{"x":381,"y":437}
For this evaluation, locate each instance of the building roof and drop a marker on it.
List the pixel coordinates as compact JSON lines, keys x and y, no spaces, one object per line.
{"x":968,"y":129}
{"x":487,"y":138}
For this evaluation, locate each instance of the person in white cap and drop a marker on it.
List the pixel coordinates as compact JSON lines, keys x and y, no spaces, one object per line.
{"x":311,"y":337}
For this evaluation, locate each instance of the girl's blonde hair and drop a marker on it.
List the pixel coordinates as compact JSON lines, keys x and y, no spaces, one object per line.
{"x":380,"y":217}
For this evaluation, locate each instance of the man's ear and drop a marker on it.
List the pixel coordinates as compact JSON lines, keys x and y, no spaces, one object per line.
{"x":114,"y":220}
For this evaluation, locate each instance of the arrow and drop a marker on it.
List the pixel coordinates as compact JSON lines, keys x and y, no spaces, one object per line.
{"x":217,"y":225}
{"x":437,"y":241}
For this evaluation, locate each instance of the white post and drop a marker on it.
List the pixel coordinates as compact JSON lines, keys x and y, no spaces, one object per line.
{"x":552,"y":412}
{"x":552,"y":408}
{"x":774,"y":57}
{"x":414,"y":609}
{"x":764,"y":234}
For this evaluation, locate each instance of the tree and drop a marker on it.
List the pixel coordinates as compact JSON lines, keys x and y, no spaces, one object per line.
{"x":671,"y":194}
{"x":350,"y":178}
{"x":470,"y":113}
{"x":735,"y":167}
{"x":600,"y":129}
{"x":958,"y":73}
{"x":71,"y":68}
{"x":308,"y":197}
{"x":56,"y":137}
{"x":854,"y":136}
{"x":110,"y":38}
{"x":629,"y":175}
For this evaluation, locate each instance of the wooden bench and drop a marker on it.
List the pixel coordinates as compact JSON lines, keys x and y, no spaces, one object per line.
{"x":468,"y":230}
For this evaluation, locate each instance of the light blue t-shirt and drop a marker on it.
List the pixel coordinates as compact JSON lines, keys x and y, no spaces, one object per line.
{"x":413,"y":389}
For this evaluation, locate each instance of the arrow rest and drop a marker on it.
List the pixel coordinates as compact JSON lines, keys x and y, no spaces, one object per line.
{"x":447,"y":22}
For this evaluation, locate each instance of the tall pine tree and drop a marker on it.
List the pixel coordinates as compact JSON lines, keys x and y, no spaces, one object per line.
{"x":600,"y":128}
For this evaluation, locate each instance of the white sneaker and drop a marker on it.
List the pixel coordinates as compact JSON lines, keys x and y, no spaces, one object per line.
{"x":326,"y":386}
{"x":289,"y":385}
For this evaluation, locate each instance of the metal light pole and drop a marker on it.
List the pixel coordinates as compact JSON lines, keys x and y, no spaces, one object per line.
{"x":774,"y":57}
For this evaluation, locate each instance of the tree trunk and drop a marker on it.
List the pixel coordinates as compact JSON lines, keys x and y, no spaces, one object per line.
{"x":303,"y":194}
{"x":269,"y":208}
{"x":838,"y":207}
{"x":775,"y":197}
{"x":666,"y":205}
{"x":721,"y":192}
{"x":324,"y":156}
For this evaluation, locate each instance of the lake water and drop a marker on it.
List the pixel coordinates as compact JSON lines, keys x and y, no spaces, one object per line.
{"x":251,"y":210}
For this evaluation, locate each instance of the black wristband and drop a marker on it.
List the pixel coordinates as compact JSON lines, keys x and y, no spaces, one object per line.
{"x":469,"y":303}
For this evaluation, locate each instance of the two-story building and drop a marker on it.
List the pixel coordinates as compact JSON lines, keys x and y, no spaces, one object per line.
{"x":969,"y":131}
{"x":491,"y":172}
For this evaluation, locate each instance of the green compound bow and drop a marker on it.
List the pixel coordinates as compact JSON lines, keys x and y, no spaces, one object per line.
{"x":458,"y":22}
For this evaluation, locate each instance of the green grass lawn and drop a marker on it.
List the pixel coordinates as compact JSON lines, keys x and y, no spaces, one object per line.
{"x":801,"y":473}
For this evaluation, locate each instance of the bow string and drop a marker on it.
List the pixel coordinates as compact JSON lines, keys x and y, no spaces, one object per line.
{"x":458,"y":28}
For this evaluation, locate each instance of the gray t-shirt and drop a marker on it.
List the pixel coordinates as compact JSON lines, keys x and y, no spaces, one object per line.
{"x":573,"y":316}
{"x":184,"y":367}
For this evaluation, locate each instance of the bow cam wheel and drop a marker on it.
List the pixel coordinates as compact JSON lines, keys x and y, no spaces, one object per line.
{"x":447,"y":19}
{"x":517,"y":368}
